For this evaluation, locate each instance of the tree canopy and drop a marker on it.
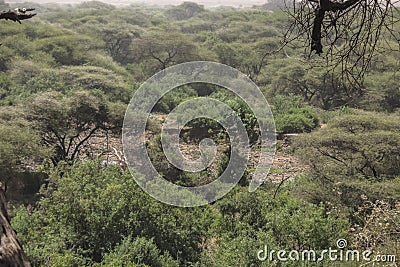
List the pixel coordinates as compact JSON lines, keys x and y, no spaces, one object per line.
{"x":67,"y":75}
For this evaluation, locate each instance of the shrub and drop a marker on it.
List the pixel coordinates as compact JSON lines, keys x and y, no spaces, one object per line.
{"x":87,"y":210}
{"x":138,"y":252}
{"x":297,"y":120}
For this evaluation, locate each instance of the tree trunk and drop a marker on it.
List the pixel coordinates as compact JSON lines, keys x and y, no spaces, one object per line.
{"x":11,"y":253}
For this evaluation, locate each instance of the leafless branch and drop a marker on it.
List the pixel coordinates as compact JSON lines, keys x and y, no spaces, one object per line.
{"x":17,"y":14}
{"x":351,"y":31}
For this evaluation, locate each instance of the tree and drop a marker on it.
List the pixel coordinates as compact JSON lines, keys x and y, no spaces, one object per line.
{"x":363,"y":146}
{"x":20,"y":150}
{"x":382,"y":92}
{"x":274,"y":5}
{"x":248,"y":58}
{"x":351,"y":30}
{"x":113,"y":84}
{"x":316,"y":86}
{"x":68,"y":49}
{"x":68,"y":122}
{"x":118,"y":40}
{"x":355,"y":154}
{"x":185,"y":11}
{"x":164,"y":49}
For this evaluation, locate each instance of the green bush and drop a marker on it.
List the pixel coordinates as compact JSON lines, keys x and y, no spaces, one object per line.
{"x":88,"y":209}
{"x":173,"y":98}
{"x":249,"y":221}
{"x":280,"y":104}
{"x":138,"y":252}
{"x":65,"y":260}
{"x":297,"y":120}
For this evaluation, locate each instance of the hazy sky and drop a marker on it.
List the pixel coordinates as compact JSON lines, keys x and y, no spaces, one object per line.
{"x":157,"y":2}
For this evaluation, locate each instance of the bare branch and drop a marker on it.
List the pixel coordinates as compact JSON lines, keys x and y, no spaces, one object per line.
{"x":351,"y":31}
{"x":17,"y":14}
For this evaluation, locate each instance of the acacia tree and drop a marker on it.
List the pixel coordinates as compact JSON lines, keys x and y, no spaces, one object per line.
{"x":164,"y":49}
{"x":248,"y":58}
{"x":66,"y":123}
{"x":315,"y":86}
{"x":118,"y":40}
{"x":355,"y":154}
{"x":352,"y":31}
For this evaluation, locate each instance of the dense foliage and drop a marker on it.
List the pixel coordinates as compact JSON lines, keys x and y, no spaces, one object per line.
{"x":66,"y":77}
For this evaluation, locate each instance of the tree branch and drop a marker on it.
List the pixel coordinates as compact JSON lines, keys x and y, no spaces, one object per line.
{"x":80,"y":143}
{"x":17,"y":14}
{"x":324,"y":6}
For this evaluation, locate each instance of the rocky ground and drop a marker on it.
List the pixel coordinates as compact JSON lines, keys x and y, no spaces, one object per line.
{"x":285,"y":165}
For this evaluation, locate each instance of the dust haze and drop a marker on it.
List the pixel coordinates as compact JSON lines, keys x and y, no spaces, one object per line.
{"x":207,"y":3}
